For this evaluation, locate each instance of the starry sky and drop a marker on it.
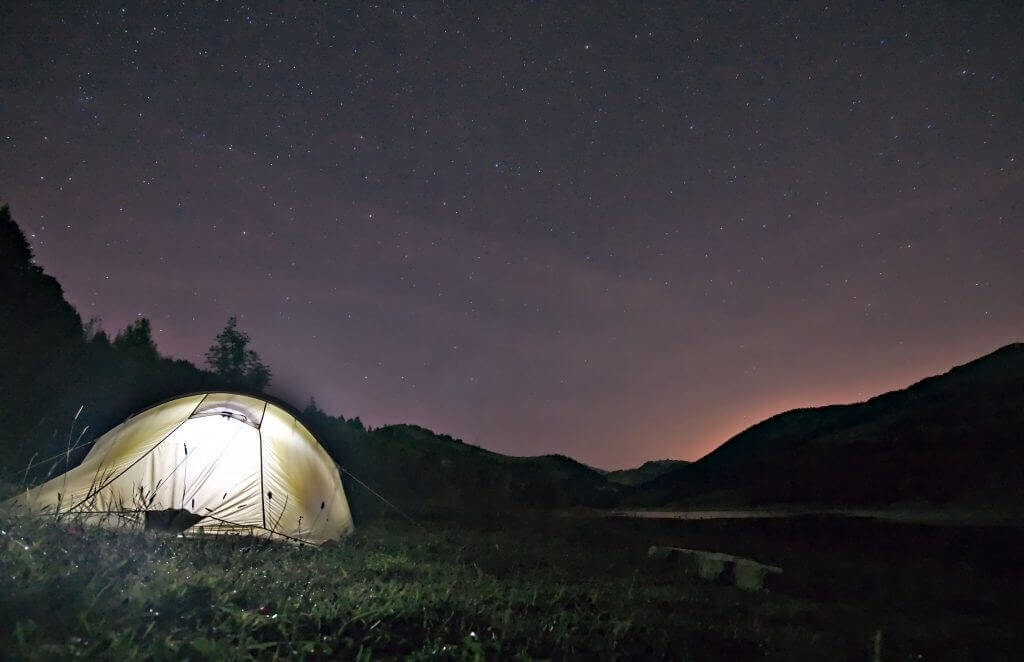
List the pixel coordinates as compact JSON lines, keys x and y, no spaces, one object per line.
{"x":615,"y":231}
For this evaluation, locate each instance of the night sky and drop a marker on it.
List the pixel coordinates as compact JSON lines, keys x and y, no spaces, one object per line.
{"x":614,"y":232}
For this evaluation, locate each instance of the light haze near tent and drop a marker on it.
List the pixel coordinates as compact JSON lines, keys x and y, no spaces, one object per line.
{"x":245,"y":465}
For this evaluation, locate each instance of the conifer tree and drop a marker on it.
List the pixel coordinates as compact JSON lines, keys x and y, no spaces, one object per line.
{"x":230,"y":358}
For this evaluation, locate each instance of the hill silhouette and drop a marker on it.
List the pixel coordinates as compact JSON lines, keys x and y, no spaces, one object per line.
{"x":646,"y":472}
{"x":52,"y":366}
{"x":951,"y":439}
{"x":434,"y":475}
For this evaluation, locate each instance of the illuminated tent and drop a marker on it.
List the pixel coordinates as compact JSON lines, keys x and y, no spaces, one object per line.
{"x":207,"y":463}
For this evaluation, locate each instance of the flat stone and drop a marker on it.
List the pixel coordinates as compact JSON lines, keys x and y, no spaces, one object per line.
{"x":744,"y":573}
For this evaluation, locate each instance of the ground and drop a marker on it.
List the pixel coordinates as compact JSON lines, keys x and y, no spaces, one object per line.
{"x":533,"y":587}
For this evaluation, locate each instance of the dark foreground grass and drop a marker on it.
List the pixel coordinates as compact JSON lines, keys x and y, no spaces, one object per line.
{"x":545,"y":587}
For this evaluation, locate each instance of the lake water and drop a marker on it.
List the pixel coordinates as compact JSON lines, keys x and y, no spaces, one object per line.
{"x":706,"y":514}
{"x":946,"y":517}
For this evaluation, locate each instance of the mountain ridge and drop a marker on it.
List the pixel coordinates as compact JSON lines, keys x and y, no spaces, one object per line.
{"x":971,"y":415}
{"x":647,"y":471}
{"x":955,"y":437}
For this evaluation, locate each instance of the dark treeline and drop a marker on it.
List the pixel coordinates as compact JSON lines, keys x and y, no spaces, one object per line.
{"x":430,"y":475}
{"x":954,"y":438}
{"x":52,"y":365}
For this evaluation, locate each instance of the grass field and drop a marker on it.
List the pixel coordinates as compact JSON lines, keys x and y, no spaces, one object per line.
{"x":540,"y":587}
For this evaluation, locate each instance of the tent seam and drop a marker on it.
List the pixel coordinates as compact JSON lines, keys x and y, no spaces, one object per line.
{"x":263,"y":495}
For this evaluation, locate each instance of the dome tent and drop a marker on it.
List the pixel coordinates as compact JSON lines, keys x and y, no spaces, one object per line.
{"x":216,"y":463}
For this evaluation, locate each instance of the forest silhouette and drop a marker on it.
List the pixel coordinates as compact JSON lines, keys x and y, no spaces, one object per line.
{"x":62,"y":376}
{"x":950,"y":440}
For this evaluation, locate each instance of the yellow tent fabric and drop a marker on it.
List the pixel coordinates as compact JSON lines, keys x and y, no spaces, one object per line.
{"x":238,"y":463}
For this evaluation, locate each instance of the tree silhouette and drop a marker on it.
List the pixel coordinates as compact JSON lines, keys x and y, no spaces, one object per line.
{"x":136,"y":340}
{"x":230,"y":358}
{"x":40,"y":341}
